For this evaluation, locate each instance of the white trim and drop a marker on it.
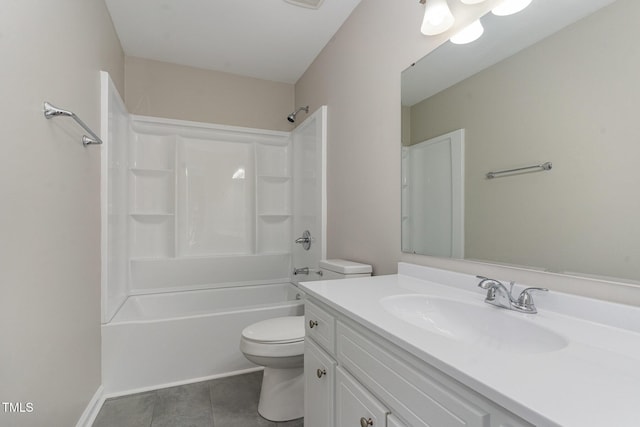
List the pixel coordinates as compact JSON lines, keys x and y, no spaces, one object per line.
{"x":93,"y":408}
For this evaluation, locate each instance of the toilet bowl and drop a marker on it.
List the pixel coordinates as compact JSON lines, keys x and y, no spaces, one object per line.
{"x":278,"y":345}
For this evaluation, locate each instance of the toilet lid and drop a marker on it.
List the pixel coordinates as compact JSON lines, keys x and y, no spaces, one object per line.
{"x":277,"y":330}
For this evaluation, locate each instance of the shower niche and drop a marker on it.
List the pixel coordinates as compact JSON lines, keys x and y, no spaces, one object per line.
{"x":273,"y":198}
{"x":191,"y":205}
{"x":151,"y":195}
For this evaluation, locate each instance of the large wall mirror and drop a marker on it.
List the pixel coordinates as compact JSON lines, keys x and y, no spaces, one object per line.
{"x":559,"y":83}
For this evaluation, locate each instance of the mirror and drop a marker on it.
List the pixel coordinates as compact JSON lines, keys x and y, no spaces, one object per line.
{"x":559,"y":83}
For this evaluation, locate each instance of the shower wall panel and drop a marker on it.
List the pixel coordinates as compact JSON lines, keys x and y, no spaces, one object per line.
{"x":209,"y":192}
{"x":115,"y":127}
{"x":216,"y":197}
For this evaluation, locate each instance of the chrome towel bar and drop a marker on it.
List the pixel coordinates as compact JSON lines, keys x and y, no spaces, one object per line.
{"x":542,"y":167}
{"x":50,"y":112}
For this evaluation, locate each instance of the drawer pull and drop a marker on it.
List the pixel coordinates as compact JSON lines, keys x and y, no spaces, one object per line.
{"x":313,"y":323}
{"x":364,"y":422}
{"x":321,"y":372}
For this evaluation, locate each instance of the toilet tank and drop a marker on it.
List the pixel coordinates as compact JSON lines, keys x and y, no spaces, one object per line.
{"x":343,"y":269}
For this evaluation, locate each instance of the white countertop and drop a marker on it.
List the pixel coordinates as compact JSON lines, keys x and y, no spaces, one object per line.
{"x":593,"y":381}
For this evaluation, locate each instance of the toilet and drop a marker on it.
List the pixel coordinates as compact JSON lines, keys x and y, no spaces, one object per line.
{"x":278,"y":345}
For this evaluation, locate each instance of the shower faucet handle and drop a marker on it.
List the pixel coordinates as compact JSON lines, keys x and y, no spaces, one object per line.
{"x":305,"y":240}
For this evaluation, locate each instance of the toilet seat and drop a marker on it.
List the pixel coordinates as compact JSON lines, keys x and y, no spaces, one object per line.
{"x":279,"y":330}
{"x":284,"y":350}
{"x":278,"y":337}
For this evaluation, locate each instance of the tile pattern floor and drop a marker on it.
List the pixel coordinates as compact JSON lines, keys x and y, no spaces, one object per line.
{"x":224,"y":402}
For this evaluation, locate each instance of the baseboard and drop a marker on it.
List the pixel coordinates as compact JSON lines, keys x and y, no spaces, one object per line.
{"x":91,"y":411}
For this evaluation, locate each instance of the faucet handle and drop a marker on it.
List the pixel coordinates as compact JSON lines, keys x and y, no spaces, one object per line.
{"x":484,"y":282}
{"x":525,"y":300}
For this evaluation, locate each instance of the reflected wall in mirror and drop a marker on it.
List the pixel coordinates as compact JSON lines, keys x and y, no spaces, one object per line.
{"x":571,"y":98}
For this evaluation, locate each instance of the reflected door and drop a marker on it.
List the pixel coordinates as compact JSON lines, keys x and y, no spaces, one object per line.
{"x":433,"y":196}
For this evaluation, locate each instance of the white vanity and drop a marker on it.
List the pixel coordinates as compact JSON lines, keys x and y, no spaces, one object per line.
{"x":421,"y":348}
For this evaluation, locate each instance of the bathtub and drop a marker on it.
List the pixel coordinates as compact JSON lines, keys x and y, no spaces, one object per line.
{"x":160,"y":340}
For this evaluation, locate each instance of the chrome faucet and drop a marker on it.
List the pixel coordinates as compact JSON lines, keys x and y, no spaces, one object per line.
{"x":303,"y":270}
{"x":307,"y":271}
{"x":500,"y":296}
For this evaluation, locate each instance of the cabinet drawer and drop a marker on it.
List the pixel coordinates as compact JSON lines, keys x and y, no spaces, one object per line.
{"x":320,"y":326}
{"x":423,"y":397}
{"x":355,"y":406}
{"x":319,"y":382}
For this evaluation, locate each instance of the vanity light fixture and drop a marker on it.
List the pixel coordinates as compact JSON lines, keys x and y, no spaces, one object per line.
{"x":437,"y":17}
{"x":509,"y":7}
{"x":468,"y":34}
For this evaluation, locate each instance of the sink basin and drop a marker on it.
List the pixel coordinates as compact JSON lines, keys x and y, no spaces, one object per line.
{"x":477,"y":324}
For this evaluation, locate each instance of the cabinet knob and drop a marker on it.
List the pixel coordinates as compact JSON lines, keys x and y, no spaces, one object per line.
{"x":321,"y":372}
{"x":313,"y":323}
{"x":364,"y":422}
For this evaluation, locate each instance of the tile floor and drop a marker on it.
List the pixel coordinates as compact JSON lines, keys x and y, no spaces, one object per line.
{"x":224,"y":402}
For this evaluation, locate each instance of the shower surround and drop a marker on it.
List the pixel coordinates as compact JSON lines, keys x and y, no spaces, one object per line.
{"x":199,"y":207}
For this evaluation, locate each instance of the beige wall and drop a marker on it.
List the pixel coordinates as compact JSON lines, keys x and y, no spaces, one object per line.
{"x":161,"y":89}
{"x":555,"y":101}
{"x":358,"y":76}
{"x":50,"y":215}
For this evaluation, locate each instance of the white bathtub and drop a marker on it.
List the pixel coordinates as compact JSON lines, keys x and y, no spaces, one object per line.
{"x":166,"y":339}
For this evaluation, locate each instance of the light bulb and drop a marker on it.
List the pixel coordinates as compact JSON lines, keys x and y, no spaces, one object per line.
{"x":437,"y":18}
{"x":468,"y":34}
{"x":509,"y":7}
{"x":471,"y":1}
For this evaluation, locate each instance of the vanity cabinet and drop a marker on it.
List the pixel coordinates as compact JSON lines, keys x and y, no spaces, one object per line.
{"x":372,"y":382}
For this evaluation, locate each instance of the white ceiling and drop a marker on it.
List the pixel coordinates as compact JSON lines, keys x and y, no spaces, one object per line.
{"x":266,"y":39}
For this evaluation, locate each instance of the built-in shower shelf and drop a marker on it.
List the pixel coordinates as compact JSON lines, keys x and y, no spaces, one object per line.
{"x":275,"y":215}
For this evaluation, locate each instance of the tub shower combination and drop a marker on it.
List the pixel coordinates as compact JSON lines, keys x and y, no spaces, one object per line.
{"x":198,"y":226}
{"x":178,"y":337}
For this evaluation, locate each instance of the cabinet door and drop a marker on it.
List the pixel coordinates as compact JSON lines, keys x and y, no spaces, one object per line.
{"x":355,"y":406}
{"x":319,"y":381}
